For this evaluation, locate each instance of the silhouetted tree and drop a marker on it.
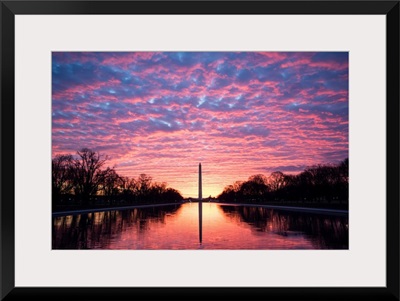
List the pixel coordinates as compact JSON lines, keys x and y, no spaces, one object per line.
{"x":258,"y":179}
{"x":316,"y":184}
{"x":61,"y":172}
{"x":344,"y":170}
{"x":276,"y":180}
{"x":143,"y":186}
{"x":84,"y":177}
{"x":172,"y":195}
{"x":112,"y":183}
{"x":343,"y":183}
{"x":128,"y":189}
{"x":88,"y":174}
{"x":159,"y":188}
{"x":228,"y":194}
{"x":255,"y":188}
{"x":236,"y":186}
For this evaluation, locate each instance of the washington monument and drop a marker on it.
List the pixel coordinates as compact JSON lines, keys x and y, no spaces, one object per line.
{"x":200,"y":206}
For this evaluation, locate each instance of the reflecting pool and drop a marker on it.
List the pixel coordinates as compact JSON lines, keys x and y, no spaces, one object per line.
{"x":211,"y":226}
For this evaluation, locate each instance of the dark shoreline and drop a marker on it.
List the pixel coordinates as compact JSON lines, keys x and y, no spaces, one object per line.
{"x":330,"y":211}
{"x":100,"y":209}
{"x":318,"y":210}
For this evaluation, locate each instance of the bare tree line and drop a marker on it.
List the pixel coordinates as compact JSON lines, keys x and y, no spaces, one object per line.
{"x":82,"y":179}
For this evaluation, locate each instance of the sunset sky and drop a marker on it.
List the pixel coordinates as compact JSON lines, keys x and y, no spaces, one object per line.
{"x":239,"y":114}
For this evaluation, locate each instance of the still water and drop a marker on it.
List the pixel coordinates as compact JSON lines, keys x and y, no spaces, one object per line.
{"x":217,"y":226}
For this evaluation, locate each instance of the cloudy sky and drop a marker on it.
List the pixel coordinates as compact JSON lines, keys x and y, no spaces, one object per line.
{"x":239,"y":114}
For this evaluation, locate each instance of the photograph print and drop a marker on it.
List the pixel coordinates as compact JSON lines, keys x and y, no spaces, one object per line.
{"x":200,"y":150}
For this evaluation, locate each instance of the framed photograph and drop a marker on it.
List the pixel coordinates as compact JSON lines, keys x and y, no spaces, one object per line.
{"x":197,"y":149}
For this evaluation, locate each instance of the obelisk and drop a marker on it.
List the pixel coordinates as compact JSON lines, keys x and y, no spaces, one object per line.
{"x":200,"y":188}
{"x":200,"y":207}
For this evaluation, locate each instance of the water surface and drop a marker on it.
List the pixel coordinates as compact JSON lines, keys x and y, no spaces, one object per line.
{"x":219,"y":227}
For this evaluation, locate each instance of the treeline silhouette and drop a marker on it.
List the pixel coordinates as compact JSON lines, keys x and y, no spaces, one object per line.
{"x":82,"y":180}
{"x":320,"y":185}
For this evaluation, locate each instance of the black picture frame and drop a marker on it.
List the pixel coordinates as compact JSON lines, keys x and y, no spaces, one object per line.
{"x":11,"y":8}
